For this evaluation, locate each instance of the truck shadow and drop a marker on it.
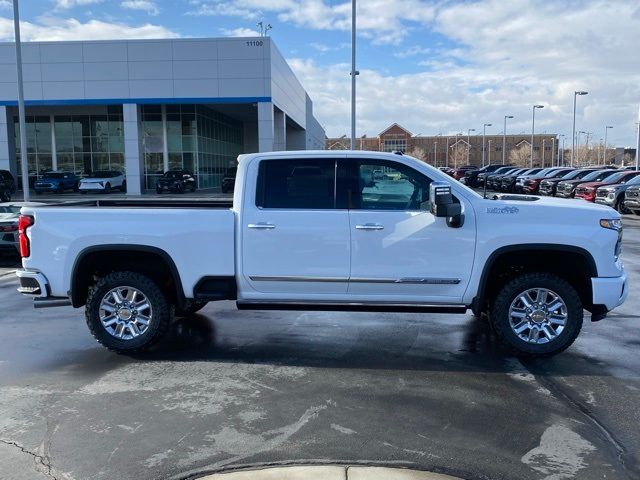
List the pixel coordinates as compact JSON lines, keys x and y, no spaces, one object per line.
{"x":469,"y":346}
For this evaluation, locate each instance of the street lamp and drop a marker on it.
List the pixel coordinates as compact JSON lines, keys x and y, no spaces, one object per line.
{"x":575,"y":95}
{"x":504,"y":137}
{"x":489,"y":151}
{"x":544,"y":141}
{"x":484,"y":132}
{"x":558,"y":159}
{"x":604,"y":155}
{"x":533,"y":128}
{"x":469,"y":143}
{"x":354,"y":72}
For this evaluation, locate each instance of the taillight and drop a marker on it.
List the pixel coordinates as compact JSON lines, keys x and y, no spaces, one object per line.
{"x":8,"y":228}
{"x":24,"y":222}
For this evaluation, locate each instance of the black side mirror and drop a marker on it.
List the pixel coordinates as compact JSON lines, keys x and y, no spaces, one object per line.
{"x":442,"y":204}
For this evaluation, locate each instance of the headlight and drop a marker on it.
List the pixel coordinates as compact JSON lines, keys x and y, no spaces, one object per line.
{"x":611,"y":223}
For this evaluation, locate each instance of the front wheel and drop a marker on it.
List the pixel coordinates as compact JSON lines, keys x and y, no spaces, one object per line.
{"x":621,"y":208}
{"x":123,"y":187}
{"x":537,"y":314}
{"x":127,"y":312}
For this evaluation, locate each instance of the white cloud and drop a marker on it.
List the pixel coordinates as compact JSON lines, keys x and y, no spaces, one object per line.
{"x":381,"y":21}
{"x":54,"y":28}
{"x":240,"y":32}
{"x":6,"y":4}
{"x":145,"y":5}
{"x":67,"y":4}
{"x":502,"y":58}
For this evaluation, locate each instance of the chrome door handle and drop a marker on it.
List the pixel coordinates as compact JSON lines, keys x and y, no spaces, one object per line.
{"x":262,"y":226}
{"x":370,"y":226}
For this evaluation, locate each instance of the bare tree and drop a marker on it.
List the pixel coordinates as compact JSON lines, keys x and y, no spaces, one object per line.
{"x":419,"y":153}
{"x":458,"y":155}
{"x":521,"y":156}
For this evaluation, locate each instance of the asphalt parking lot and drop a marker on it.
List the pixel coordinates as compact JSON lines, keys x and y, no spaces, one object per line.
{"x":229,"y":389}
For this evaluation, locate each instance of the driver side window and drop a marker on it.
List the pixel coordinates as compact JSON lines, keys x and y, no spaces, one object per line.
{"x":384,"y":185}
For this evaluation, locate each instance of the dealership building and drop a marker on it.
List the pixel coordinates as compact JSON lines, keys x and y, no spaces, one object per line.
{"x":148,"y":106}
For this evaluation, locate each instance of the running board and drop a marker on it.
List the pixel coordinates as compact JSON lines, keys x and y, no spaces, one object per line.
{"x":352,"y":307}
{"x":51,"y":302}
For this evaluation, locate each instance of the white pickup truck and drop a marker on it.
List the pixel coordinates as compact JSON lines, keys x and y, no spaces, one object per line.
{"x":323,"y":230}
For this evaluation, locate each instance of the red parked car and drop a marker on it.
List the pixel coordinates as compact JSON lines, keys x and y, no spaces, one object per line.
{"x":459,"y":172}
{"x":587,"y":191}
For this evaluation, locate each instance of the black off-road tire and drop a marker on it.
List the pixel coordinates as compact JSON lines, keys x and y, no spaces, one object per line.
{"x":499,"y":314}
{"x":191,"y":307}
{"x":162,"y":312}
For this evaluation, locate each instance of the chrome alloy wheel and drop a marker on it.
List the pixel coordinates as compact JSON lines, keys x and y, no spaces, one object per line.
{"x":538,"y":315}
{"x":125,"y":313}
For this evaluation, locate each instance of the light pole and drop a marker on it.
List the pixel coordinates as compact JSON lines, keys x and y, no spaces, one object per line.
{"x":354,"y":72}
{"x":575,"y":95}
{"x":504,"y":138}
{"x":24,"y":158}
{"x":604,"y":155}
{"x":469,"y":143}
{"x":489,"y":151}
{"x":544,"y":141}
{"x":484,"y":133}
{"x":638,"y":142}
{"x":558,"y":158}
{"x":446,"y":155}
{"x":533,"y":128}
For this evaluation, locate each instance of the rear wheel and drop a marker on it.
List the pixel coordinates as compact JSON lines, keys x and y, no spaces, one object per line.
{"x":180,"y":188}
{"x":107,"y":188}
{"x":193,"y":188}
{"x":123,"y":187}
{"x":158,"y":190}
{"x":60,"y":188}
{"x":537,"y":314}
{"x":127,"y":312}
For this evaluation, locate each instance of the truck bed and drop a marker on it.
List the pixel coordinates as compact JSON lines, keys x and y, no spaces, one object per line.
{"x":204,"y":203}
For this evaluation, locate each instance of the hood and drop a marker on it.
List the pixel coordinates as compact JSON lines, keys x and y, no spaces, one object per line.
{"x":526,"y":202}
{"x":592,"y":184}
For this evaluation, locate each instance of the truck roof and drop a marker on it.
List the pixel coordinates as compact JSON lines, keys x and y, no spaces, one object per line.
{"x":319,"y":153}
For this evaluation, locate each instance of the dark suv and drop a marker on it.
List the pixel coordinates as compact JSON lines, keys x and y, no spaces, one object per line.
{"x":475,"y":178}
{"x":229,"y":180}
{"x":548,"y":185}
{"x":7,"y":185}
{"x":177,"y":181}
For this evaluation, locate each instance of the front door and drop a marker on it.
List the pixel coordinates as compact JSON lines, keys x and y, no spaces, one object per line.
{"x":295,"y":243}
{"x":399,"y":250}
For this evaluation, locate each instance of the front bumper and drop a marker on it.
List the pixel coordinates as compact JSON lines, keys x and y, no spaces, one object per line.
{"x":610,"y":292}
{"x":609,"y":202}
{"x":632,"y":204}
{"x":90,"y":187}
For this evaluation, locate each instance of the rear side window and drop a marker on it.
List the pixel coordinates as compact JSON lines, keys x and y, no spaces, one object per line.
{"x":296,"y":184}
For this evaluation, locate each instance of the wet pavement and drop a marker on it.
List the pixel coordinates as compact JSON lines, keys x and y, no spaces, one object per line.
{"x":230,"y":389}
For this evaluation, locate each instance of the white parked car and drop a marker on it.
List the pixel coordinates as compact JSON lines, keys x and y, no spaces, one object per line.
{"x":103,"y":181}
{"x":306,"y":231}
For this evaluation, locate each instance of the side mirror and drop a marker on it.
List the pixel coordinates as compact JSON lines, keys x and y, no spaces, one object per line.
{"x":442,"y":204}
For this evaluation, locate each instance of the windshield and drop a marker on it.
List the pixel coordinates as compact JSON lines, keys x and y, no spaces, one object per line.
{"x":9,"y":209}
{"x":616,"y":177}
{"x":595,"y":176}
{"x":173,"y":175}
{"x":104,"y":174}
{"x":634,"y":181}
{"x":576,"y":174}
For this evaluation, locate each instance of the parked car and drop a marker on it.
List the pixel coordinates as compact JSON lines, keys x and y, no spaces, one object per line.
{"x":484,"y":176}
{"x":56,"y":182}
{"x":614,"y":195}
{"x":475,"y":177}
{"x":7,"y":186}
{"x":103,"y":181}
{"x":567,"y":188}
{"x":9,"y":216}
{"x":458,"y":173}
{"x":178,"y":181}
{"x":632,"y":199}
{"x":229,"y":180}
{"x":287,"y":243}
{"x":548,"y":185}
{"x":587,"y":191}
{"x":492,"y":179}
{"x":531,"y":184}
{"x":508,"y":181}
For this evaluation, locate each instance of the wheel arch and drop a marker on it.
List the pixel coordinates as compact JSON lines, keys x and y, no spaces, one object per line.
{"x":554,"y":258}
{"x":102,"y":259}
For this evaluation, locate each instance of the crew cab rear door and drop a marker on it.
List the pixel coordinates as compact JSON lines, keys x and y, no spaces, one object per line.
{"x":399,"y":250}
{"x":295,"y":243}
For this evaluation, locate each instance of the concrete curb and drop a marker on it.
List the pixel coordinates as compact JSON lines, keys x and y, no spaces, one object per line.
{"x":344,"y":472}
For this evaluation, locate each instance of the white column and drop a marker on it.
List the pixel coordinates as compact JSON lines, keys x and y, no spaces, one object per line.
{"x":279,"y":130}
{"x":6,"y":162}
{"x":54,"y":155}
{"x":165,"y":145}
{"x":265,"y":127}
{"x":133,"y":158}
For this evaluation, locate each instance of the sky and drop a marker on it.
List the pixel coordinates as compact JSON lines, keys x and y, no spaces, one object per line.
{"x":433,"y":66}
